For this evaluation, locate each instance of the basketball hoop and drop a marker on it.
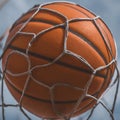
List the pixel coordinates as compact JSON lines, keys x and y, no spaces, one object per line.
{"x":87,"y":100}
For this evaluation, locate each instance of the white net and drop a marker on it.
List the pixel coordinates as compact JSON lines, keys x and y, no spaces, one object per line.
{"x":93,"y":72}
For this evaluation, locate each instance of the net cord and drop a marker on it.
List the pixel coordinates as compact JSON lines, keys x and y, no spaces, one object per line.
{"x":65,"y":51}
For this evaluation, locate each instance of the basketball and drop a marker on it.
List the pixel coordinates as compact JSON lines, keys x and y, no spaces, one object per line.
{"x":57,"y":56}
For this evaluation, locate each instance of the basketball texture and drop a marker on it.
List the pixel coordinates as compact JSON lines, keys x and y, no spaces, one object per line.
{"x":56,"y":56}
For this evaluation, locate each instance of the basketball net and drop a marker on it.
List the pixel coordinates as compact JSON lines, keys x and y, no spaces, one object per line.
{"x":99,"y":101}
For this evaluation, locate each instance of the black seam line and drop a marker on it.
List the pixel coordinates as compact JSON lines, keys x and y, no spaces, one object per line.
{"x":75,"y":33}
{"x":78,"y":9}
{"x":43,"y":100}
{"x":89,"y":43}
{"x":40,"y":99}
{"x":67,"y":5}
{"x":85,"y":39}
{"x":17,"y":22}
{"x":57,"y":62}
{"x":78,"y":35}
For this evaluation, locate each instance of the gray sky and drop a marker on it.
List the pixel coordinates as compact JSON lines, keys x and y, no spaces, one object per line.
{"x":108,"y":10}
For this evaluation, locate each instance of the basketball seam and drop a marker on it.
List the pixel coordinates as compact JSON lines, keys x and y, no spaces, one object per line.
{"x":57,"y":62}
{"x":79,"y":10}
{"x":90,"y":44}
{"x":78,"y":35}
{"x":101,"y":54}
{"x":36,"y":6}
{"x":32,"y":9}
{"x":40,"y":99}
{"x":70,"y":7}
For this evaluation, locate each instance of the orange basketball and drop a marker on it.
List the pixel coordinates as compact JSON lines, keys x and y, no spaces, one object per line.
{"x":55,"y":58}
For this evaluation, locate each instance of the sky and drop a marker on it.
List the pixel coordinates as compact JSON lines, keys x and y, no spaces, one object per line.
{"x":108,"y":10}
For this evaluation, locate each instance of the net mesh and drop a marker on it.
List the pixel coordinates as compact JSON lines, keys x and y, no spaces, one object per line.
{"x":99,"y":101}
